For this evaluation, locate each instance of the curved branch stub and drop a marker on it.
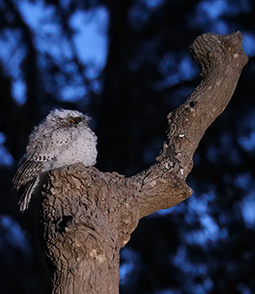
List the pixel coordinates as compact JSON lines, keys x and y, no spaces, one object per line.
{"x":210,"y":49}
{"x":221,"y":59}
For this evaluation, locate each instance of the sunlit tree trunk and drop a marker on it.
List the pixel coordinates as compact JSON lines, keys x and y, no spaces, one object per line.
{"x":87,"y":216}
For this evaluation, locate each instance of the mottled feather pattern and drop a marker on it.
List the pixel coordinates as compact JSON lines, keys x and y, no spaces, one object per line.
{"x":63,"y":138}
{"x":28,"y":170}
{"x":26,"y":196}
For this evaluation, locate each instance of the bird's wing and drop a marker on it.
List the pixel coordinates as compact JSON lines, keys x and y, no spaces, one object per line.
{"x":27,"y":171}
{"x":26,"y":196}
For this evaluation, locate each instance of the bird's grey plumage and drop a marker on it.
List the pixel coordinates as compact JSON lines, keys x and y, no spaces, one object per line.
{"x":63,"y":138}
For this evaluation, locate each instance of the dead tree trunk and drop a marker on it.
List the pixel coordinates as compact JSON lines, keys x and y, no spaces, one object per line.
{"x":87,"y":215}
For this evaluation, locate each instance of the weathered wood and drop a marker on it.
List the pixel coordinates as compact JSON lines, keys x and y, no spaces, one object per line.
{"x":87,"y":215}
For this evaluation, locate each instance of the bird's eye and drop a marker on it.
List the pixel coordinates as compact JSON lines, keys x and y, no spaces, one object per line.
{"x":74,"y":120}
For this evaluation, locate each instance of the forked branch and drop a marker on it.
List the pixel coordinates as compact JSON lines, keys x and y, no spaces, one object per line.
{"x":87,"y":215}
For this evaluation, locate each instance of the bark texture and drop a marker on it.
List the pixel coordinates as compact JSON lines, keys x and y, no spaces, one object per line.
{"x":87,"y":215}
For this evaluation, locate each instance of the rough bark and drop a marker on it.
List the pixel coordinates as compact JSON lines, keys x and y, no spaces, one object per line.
{"x":87,"y":215}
